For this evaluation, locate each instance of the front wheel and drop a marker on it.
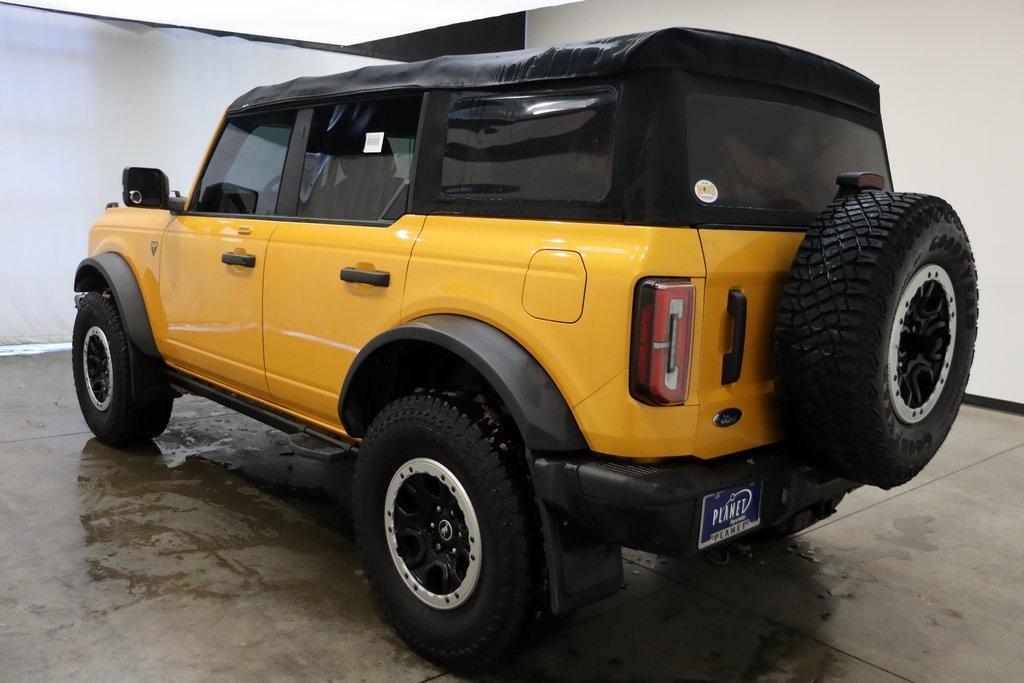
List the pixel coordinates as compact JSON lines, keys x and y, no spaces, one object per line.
{"x":102,"y":368}
{"x":449,"y":529}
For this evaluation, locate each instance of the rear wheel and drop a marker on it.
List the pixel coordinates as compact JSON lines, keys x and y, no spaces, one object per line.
{"x":102,"y":369}
{"x":449,"y":529}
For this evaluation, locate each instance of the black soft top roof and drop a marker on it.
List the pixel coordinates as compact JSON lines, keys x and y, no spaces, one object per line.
{"x":685,"y":49}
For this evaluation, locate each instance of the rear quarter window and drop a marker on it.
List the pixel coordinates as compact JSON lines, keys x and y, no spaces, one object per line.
{"x":531,"y":147}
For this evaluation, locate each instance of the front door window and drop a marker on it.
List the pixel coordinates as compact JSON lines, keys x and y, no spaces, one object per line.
{"x":244,"y":173}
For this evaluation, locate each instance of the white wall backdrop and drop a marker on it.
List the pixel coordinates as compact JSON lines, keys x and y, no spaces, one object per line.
{"x":79,"y":100}
{"x":952,"y":105}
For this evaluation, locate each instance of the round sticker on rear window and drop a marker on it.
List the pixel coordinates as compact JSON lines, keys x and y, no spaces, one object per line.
{"x":706,"y":191}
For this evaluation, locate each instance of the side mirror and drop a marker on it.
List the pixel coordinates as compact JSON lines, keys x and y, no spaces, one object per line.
{"x":145,"y":187}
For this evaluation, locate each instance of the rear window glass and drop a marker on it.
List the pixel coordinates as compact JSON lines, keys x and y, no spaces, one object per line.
{"x":766,"y":155}
{"x":530,"y":147}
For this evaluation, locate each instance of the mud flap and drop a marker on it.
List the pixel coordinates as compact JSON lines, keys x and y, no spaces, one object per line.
{"x":582,"y":566}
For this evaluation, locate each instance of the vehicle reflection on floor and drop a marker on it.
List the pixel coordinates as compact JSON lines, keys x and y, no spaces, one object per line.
{"x":211,"y":553}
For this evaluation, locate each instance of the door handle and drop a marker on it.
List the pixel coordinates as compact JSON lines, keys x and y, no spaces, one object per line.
{"x":732,"y":362}
{"x":233,"y":259}
{"x":377,"y":278}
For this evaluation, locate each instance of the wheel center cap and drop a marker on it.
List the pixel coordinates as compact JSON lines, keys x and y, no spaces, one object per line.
{"x":445,"y":530}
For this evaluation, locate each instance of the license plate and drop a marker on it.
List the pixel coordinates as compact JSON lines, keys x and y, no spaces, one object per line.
{"x":729,"y":512}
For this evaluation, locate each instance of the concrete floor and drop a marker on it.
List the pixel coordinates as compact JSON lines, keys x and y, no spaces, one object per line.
{"x":211,"y":555}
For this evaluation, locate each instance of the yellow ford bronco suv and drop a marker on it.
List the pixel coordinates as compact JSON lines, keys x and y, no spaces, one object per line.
{"x":652,"y":291}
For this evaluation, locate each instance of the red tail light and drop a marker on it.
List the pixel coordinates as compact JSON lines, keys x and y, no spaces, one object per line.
{"x":662,"y":336}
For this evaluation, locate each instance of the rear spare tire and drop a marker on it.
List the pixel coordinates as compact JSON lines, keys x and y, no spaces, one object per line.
{"x":875,"y":334}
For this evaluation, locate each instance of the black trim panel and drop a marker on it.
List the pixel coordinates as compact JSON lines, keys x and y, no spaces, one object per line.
{"x":656,"y":508}
{"x":291,"y":174}
{"x":501,"y":33}
{"x":1011,"y":407}
{"x":732,"y":363}
{"x":541,"y":414}
{"x":490,"y":34}
{"x":248,"y":407}
{"x":290,"y":219}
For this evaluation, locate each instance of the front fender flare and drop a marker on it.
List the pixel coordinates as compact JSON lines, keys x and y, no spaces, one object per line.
{"x":120,"y":280}
{"x":110,"y":271}
{"x":540,"y":412}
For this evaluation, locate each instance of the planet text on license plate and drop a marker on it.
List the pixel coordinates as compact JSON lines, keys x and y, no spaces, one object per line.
{"x":729,"y":512}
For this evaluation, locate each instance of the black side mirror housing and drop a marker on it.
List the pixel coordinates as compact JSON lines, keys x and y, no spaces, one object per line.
{"x":176,"y":202}
{"x":146,"y":188}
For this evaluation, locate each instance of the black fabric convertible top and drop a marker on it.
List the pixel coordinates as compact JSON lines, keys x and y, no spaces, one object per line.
{"x":684,"y":49}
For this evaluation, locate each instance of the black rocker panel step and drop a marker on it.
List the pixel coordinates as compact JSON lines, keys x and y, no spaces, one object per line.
{"x":310,"y":446}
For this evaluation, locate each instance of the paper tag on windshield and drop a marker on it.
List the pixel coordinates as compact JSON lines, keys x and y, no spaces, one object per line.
{"x":374,"y":143}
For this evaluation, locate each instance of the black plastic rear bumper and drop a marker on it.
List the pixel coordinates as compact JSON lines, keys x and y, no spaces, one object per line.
{"x":657,"y":507}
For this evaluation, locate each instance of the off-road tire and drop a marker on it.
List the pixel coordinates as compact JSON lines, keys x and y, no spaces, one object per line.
{"x":124,"y":421}
{"x":469,"y":439}
{"x":832,"y":334}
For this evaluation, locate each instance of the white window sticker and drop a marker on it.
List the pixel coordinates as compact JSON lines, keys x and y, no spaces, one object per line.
{"x":374,"y":143}
{"x":706,"y":191}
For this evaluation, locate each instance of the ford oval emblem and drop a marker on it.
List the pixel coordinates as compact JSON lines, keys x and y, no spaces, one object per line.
{"x":728,"y":417}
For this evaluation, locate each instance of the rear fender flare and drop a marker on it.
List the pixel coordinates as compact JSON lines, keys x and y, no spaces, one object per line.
{"x":535,"y":403}
{"x":582,"y":566}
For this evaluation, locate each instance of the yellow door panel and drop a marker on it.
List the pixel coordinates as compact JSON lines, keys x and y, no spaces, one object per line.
{"x":757,"y":263}
{"x":315,"y":323}
{"x":556,"y":281}
{"x":214,"y":310}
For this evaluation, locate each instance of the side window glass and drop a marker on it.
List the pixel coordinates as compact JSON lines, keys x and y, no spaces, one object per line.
{"x":358,"y":160}
{"x":553,"y":146}
{"x":244,"y":173}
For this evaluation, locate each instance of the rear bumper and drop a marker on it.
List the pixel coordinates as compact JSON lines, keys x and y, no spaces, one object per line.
{"x":657,"y":507}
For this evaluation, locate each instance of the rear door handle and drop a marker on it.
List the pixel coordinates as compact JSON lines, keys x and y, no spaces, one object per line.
{"x":732,"y":362}
{"x":377,"y":278}
{"x":233,"y":259}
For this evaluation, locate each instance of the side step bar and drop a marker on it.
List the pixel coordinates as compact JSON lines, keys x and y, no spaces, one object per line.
{"x":315,"y":447}
{"x":306,"y":441}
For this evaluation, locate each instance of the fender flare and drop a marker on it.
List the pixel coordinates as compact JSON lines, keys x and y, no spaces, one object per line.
{"x":540,"y":412}
{"x":582,"y":566}
{"x":110,"y":270}
{"x":120,"y":279}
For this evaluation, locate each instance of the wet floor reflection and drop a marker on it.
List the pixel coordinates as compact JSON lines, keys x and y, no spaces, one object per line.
{"x":222,"y":512}
{"x":159,"y":524}
{"x":214,"y":556}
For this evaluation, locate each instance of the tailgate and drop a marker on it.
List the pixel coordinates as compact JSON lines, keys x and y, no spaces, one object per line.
{"x":755,"y":262}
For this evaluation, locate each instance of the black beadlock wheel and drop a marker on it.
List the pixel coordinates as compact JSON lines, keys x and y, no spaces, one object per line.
{"x":102,"y":369}
{"x":446,"y":519}
{"x":875,"y":335}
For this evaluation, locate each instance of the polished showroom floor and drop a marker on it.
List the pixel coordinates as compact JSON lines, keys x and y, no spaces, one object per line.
{"x":211,"y":555}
